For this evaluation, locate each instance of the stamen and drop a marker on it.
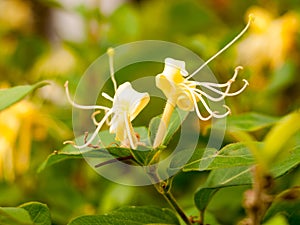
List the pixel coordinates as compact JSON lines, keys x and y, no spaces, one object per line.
{"x":81,"y":106}
{"x":228,"y":109}
{"x":93,"y":116}
{"x":215,"y":99}
{"x":69,"y":142}
{"x":108,"y":122}
{"x":107,"y":96}
{"x":199,"y":91}
{"x":128,"y":130}
{"x":236,"y":72}
{"x":100,"y":124}
{"x":222,"y":94}
{"x":213,"y":113}
{"x":197,"y":109}
{"x":241,"y":90}
{"x":111,"y":53}
{"x":250,"y":20}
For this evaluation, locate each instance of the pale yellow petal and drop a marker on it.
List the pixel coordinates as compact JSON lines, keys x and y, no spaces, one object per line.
{"x":184,"y":101}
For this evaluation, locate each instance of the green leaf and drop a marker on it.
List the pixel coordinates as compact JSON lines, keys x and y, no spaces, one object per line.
{"x":12,"y":95}
{"x":176,"y":120}
{"x":232,"y":155}
{"x":14,"y":216}
{"x":69,"y":152}
{"x":240,"y":175}
{"x":141,"y":155}
{"x":131,"y":216}
{"x":38,"y":212}
{"x":153,"y":127}
{"x":247,"y":122}
{"x":279,"y":136}
{"x":277,"y":220}
{"x":288,"y":204}
{"x":281,"y":78}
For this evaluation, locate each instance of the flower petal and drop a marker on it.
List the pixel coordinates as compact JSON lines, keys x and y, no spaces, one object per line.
{"x":167,"y":87}
{"x":185,"y":102}
{"x":128,"y":99}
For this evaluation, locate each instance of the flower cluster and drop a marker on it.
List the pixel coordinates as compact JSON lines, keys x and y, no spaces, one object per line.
{"x":180,"y":90}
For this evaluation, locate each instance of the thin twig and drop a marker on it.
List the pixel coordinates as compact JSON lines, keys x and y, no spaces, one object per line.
{"x":114,"y":160}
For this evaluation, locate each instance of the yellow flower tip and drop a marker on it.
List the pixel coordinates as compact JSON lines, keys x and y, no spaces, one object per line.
{"x":93,"y":117}
{"x":69,"y":142}
{"x":246,"y":82}
{"x":95,"y":113}
{"x":238,"y":68}
{"x":251,"y":18}
{"x":228,"y":109}
{"x":236,"y":71}
{"x":110,"y":51}
{"x":66,"y":84}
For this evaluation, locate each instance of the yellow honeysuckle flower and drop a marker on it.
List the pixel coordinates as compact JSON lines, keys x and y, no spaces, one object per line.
{"x":270,"y":39}
{"x":17,"y":124}
{"x":127,"y":104}
{"x":180,"y":91}
{"x":15,"y":14}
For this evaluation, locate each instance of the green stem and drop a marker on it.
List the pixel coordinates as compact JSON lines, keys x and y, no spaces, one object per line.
{"x":201,"y":219}
{"x":163,"y":187}
{"x":172,"y":201}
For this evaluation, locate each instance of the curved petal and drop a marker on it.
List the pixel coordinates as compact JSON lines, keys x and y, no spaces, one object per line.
{"x":167,"y":87}
{"x":185,"y":102}
{"x":129,"y":100}
{"x":175,"y":70}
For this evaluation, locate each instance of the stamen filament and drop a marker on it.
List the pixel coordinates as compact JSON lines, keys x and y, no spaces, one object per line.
{"x":93,"y":117}
{"x":111,"y":53}
{"x":107,"y":96}
{"x":129,"y":130}
{"x":241,"y":90}
{"x":216,"y":99}
{"x":222,"y":94}
{"x":212,"y":113}
{"x":250,"y":20}
{"x":197,"y":109}
{"x":81,"y":106}
{"x":99,"y":126}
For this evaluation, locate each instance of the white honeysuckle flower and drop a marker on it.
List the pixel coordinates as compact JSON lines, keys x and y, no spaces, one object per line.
{"x":181,"y":91}
{"x":126,"y":105}
{"x":186,"y":93}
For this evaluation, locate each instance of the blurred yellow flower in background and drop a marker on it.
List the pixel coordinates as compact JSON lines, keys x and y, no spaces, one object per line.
{"x":15,"y":14}
{"x":269,"y":42}
{"x":16,"y":125}
{"x":57,"y":62}
{"x":20,"y":124}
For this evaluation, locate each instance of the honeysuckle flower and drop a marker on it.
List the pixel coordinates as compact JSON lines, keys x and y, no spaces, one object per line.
{"x":184,"y":93}
{"x":20,"y":124}
{"x":269,"y":41}
{"x":181,"y":91}
{"x":126,"y":105}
